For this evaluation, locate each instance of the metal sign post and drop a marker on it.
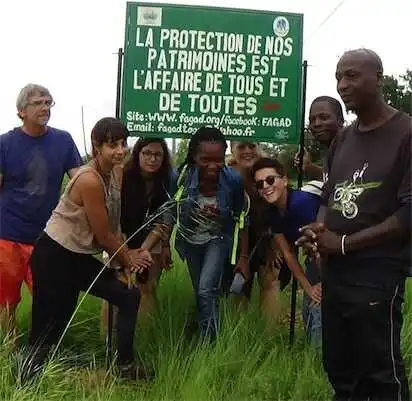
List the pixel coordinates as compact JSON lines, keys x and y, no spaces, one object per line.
{"x":292,"y":321}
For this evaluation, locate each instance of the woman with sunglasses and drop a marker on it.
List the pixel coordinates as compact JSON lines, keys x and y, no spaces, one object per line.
{"x":291,"y":209}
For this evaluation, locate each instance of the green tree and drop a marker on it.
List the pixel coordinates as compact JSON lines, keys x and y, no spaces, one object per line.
{"x":397,"y":91}
{"x":270,"y":149}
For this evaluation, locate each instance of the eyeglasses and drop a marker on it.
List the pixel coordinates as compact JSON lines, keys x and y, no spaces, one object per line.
{"x":147,"y":154}
{"x":41,"y":103}
{"x":270,"y":180}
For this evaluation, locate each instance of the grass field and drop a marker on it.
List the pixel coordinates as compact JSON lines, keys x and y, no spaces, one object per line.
{"x":250,"y":361}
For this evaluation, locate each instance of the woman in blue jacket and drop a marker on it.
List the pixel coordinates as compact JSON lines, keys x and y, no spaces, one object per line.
{"x":210,"y":221}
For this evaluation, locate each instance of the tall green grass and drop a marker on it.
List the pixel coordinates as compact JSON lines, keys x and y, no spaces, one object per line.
{"x":250,"y":360}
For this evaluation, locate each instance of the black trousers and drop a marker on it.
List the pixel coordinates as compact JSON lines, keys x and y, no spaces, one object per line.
{"x":58,"y":277}
{"x":361,"y":345}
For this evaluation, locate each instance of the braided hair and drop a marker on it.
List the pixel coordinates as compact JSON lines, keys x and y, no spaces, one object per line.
{"x":203,"y":134}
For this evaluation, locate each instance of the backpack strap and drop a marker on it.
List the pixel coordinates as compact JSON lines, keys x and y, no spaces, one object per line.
{"x":239,"y":225}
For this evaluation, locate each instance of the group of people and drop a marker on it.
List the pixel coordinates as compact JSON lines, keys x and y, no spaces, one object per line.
{"x":230,"y":221}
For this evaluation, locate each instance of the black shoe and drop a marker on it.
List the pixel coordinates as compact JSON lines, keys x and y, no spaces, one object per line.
{"x":133,"y":372}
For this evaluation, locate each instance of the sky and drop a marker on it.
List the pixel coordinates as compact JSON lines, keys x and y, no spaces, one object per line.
{"x":70,"y":47}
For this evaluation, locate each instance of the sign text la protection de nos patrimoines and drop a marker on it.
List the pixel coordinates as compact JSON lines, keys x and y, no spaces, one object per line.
{"x":239,"y":70}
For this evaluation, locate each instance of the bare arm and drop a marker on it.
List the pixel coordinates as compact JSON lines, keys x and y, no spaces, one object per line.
{"x":92,"y":197}
{"x":314,"y":171}
{"x":156,"y":235}
{"x":281,"y":243}
{"x":242,"y":264}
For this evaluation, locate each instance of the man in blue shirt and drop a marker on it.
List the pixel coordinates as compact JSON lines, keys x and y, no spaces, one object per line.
{"x":33,"y":161}
{"x":288,"y":209}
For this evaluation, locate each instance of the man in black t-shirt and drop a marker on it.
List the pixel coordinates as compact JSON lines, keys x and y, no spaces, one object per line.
{"x":360,"y":234}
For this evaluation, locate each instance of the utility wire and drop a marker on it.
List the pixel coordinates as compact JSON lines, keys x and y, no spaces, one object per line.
{"x":329,"y":16}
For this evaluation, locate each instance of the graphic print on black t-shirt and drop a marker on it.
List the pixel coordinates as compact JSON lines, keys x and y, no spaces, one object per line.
{"x":369,"y":180}
{"x":346,"y":193}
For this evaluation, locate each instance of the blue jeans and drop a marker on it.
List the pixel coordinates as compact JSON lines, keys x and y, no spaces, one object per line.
{"x":206,"y":264}
{"x":312,"y":319}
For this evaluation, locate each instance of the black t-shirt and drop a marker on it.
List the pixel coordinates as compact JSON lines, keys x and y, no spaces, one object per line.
{"x":369,"y":179}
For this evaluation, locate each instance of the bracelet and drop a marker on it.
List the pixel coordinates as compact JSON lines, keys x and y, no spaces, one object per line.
{"x":244,"y":256}
{"x":343,"y":244}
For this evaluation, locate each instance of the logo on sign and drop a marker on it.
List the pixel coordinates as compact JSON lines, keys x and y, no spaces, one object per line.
{"x":280,"y":26}
{"x":281,"y":134}
{"x":149,"y":16}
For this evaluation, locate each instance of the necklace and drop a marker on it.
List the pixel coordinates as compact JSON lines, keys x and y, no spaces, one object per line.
{"x":105,"y":177}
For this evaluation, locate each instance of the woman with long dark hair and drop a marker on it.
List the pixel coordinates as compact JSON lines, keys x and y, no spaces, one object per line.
{"x":147,"y":180}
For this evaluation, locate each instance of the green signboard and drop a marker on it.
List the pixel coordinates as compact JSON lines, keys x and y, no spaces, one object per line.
{"x":188,"y":66}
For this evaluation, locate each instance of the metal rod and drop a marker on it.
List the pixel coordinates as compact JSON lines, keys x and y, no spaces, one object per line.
{"x":119,"y":80}
{"x":109,"y":334}
{"x":300,"y":182}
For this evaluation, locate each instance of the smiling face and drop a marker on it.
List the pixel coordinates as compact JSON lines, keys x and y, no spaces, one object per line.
{"x":210,"y":159}
{"x":245,"y":153}
{"x":271,"y":185}
{"x":323,"y":121}
{"x":112,"y":153}
{"x":358,"y":80}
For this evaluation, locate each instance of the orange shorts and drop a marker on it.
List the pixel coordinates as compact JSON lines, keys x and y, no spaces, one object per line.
{"x":14,"y":269}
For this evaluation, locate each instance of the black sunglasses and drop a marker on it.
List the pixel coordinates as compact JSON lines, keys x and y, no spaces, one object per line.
{"x":270,"y":180}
